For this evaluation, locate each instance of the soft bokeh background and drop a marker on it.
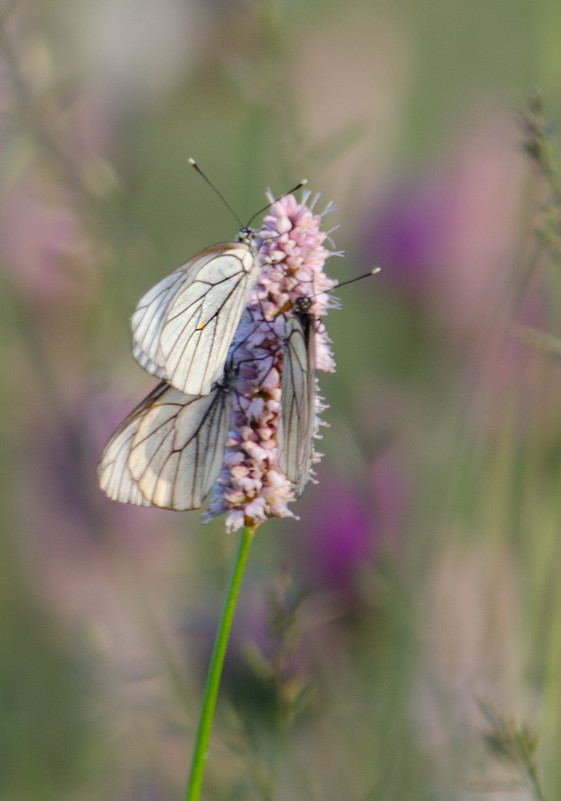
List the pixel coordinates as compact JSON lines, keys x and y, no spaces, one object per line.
{"x":423,"y":575}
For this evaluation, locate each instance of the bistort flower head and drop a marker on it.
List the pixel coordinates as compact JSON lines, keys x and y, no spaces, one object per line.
{"x":251,"y":486}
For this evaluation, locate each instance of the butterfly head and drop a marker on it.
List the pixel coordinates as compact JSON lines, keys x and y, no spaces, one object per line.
{"x":302,"y":305}
{"x":246,"y":235}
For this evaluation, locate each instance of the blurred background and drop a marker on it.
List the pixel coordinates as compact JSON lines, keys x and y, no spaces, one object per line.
{"x":402,"y":639}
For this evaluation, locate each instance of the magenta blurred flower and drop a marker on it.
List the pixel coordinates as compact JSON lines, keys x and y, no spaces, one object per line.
{"x":345,"y":526}
{"x":337,"y":536}
{"x":452,"y":236}
{"x":343,"y":536}
{"x":408,"y":234}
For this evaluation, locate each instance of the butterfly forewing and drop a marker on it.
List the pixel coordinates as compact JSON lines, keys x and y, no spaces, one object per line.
{"x":168,"y":452}
{"x":298,"y":393}
{"x":183,"y":327}
{"x":147,"y":322}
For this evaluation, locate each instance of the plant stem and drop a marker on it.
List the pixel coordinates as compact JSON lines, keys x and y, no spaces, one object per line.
{"x":215,"y":667}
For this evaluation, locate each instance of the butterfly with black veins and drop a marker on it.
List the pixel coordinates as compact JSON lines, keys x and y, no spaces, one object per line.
{"x":183,"y":327}
{"x":169,"y":451}
{"x":298,"y":396}
{"x":297,"y":421}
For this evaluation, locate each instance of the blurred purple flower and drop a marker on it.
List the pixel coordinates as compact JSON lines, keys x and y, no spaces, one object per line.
{"x":408,"y":233}
{"x":336,"y":536}
{"x":451,"y":237}
{"x":454,"y":244}
{"x":345,"y":527}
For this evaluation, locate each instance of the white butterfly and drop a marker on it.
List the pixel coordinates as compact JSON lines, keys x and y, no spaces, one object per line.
{"x":169,"y":451}
{"x":298,"y":396}
{"x":183,"y":327}
{"x":298,"y":391}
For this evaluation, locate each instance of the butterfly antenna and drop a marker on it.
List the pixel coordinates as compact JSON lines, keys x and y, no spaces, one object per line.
{"x":194,"y":164}
{"x":299,"y":185}
{"x":350,"y":281}
{"x":358,"y":278}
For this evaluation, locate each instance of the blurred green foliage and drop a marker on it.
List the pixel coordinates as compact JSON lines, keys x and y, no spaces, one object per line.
{"x":422,"y":575}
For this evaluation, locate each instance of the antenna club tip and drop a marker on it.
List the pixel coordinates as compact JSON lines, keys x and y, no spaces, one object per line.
{"x":376,"y":270}
{"x":303,"y":182}
{"x":192,"y":162}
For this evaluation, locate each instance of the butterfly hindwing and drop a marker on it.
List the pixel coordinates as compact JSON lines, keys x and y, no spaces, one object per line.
{"x":168,"y":452}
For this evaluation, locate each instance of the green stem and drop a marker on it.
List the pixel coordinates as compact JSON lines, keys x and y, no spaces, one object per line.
{"x":215,"y":668}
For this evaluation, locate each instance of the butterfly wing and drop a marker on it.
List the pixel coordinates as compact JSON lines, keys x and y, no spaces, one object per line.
{"x":169,"y":451}
{"x":183,"y":327}
{"x":298,"y":399}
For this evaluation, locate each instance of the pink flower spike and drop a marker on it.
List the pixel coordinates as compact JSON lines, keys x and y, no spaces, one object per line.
{"x":251,"y":486}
